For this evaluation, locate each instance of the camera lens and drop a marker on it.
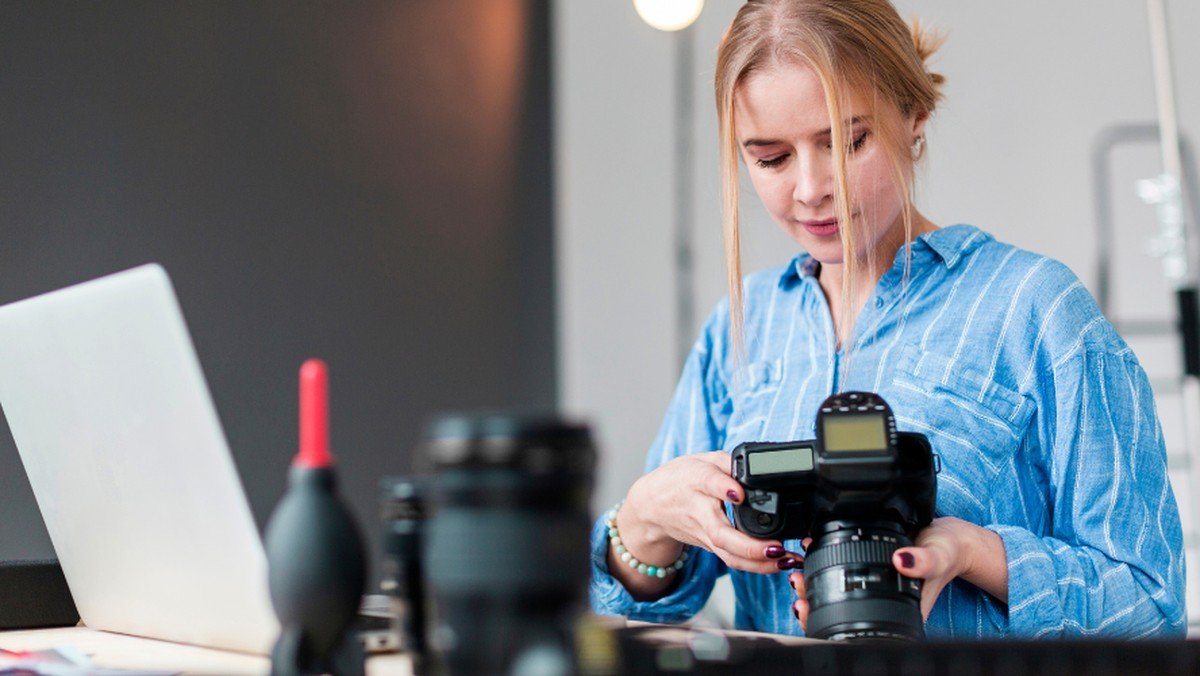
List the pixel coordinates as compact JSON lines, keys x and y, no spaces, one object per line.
{"x":854,"y":591}
{"x":507,"y":554}
{"x":402,"y":510}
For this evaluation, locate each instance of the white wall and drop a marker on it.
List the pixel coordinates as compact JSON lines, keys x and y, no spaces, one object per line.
{"x":1029,"y":85}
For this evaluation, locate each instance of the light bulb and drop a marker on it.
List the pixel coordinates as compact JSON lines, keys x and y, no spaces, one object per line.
{"x":668,"y":15}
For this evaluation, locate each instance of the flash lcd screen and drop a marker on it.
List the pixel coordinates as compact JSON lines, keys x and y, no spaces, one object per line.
{"x":846,"y":433}
{"x":778,"y":462}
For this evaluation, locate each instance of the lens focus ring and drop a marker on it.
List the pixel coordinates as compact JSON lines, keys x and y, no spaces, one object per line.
{"x":851,"y":552}
{"x":854,"y":592}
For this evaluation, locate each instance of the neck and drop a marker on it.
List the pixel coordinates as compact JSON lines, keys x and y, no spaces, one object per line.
{"x":866,"y":277}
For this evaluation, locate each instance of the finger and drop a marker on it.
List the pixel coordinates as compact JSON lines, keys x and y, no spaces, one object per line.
{"x":718,"y":484}
{"x":729,"y":490}
{"x":800,"y":605}
{"x":757,"y":564}
{"x":776,"y":551}
{"x":924,"y":564}
{"x":764,"y":567}
{"x":743,"y":546}
{"x":744,"y":552}
{"x":720,"y":535}
{"x":753,"y":559}
{"x":796,"y":579}
{"x":719,"y":459}
{"x":800,"y":610}
{"x":917,"y":562}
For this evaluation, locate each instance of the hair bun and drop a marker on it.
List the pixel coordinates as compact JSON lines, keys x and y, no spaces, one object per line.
{"x":927,"y":42}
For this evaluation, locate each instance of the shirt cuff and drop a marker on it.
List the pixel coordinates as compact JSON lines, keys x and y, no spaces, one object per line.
{"x":1034,"y":609}
{"x":691,"y":590}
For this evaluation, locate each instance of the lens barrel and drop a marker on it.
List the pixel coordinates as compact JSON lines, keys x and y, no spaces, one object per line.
{"x":854,"y":591}
{"x":402,"y":575}
{"x":507,"y":554}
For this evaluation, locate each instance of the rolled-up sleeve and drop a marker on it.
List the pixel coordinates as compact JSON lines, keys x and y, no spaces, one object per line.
{"x":694,"y":583}
{"x":694,"y":423}
{"x":1113,"y":562}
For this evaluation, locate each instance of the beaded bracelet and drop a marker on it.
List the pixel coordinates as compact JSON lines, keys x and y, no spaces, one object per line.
{"x":614,"y":537}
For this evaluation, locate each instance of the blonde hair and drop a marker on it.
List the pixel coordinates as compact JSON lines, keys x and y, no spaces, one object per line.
{"x":858,"y":46}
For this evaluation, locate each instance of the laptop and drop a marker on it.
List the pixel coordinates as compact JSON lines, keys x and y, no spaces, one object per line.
{"x":114,"y":424}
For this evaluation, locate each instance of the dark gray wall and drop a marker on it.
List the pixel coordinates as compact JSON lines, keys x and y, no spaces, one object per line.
{"x":364,"y":182}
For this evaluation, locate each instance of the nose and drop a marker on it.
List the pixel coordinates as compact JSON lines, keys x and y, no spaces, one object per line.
{"x":813,"y":180}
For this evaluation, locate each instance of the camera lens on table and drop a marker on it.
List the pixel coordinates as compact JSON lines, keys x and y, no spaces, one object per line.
{"x":403,"y":510}
{"x":507,"y":552}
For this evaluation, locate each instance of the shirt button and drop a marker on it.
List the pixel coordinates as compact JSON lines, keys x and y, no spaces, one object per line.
{"x":878,"y":302}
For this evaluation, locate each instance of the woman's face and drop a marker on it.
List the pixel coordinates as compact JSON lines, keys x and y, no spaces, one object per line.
{"x":782,"y":128}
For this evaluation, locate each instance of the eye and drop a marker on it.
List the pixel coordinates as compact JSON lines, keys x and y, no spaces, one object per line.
{"x":858,"y":141}
{"x":855,"y":144}
{"x":773,"y":162}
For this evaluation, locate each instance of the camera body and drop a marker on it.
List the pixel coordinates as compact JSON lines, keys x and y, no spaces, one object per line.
{"x":861,"y":490}
{"x":858,"y":468}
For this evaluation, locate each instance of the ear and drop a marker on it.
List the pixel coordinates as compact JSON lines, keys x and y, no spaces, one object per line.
{"x":919,"y":119}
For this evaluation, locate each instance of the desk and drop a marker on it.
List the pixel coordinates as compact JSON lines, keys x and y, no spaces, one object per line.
{"x":131,"y":652}
{"x":651,"y":649}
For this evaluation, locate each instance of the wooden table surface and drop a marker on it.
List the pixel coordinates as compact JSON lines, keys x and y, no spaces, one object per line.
{"x":117,"y":651}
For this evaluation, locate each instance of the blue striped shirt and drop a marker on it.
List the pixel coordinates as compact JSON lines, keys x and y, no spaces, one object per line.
{"x":1043,"y":418}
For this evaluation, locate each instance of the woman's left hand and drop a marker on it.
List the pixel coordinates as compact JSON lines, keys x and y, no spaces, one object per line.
{"x":941,"y":553}
{"x":946,"y":549}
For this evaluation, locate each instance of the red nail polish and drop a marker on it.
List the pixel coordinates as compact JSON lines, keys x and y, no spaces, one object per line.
{"x":773,"y":552}
{"x":732,"y":495}
{"x":906,"y":560}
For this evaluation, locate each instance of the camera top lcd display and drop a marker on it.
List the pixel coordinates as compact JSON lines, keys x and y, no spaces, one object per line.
{"x":846,"y":433}
{"x":777,"y":462}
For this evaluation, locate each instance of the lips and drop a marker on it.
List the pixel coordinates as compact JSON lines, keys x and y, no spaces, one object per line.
{"x":821,"y":228}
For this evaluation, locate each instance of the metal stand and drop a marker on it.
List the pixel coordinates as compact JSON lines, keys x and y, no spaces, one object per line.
{"x":685,"y":291}
{"x":1165,"y":193}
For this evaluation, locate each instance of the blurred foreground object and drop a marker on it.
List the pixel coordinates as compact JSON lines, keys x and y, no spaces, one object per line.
{"x":403,"y":510}
{"x":507,"y":552}
{"x":35,"y":594}
{"x":317,"y":571}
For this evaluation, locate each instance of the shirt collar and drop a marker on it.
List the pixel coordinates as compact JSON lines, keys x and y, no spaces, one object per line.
{"x":948,"y":245}
{"x":953,"y":242}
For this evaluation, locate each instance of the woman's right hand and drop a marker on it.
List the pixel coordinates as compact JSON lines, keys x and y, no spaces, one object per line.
{"x":796,"y":579}
{"x":681,"y":503}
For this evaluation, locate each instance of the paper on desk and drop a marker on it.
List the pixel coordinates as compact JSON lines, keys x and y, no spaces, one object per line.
{"x":65,"y":661}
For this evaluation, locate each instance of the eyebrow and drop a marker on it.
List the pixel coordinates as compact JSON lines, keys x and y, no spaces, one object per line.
{"x":758,"y":142}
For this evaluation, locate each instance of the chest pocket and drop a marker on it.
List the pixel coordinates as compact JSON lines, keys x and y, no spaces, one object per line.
{"x":754,"y":389}
{"x":758,"y":376}
{"x":973,"y":423}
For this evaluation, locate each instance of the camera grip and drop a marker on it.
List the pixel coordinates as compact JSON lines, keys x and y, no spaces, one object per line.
{"x":753,"y":520}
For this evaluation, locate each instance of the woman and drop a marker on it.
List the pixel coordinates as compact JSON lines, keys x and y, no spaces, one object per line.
{"x":1055,"y":515}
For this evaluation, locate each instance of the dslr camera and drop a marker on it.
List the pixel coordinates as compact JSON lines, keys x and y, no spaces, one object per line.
{"x":860,"y":490}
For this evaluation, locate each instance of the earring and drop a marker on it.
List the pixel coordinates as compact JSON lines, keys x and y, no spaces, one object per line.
{"x":918,"y":147}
